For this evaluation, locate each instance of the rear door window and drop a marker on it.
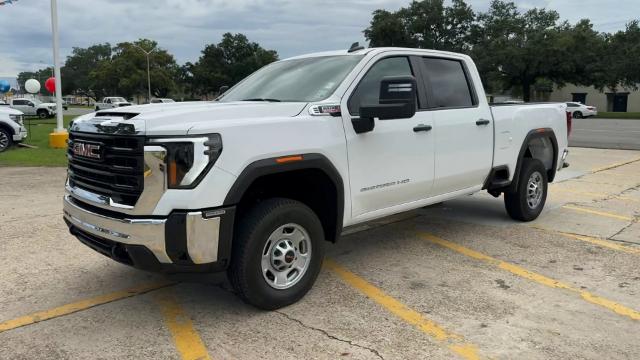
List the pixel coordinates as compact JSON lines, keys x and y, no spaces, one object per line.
{"x":449,"y":83}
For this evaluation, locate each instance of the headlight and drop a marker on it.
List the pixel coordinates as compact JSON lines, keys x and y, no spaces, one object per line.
{"x":189,"y":159}
{"x":17,"y":118}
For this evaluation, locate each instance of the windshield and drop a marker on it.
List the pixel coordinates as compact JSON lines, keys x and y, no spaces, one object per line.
{"x":36,"y":102}
{"x":298,"y":80}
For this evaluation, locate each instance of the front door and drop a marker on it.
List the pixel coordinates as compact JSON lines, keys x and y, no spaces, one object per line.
{"x":393,"y":164}
{"x":24,"y":105}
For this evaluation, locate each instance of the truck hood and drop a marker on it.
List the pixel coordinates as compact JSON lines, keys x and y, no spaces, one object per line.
{"x":181,"y":118}
{"x":10,"y":111}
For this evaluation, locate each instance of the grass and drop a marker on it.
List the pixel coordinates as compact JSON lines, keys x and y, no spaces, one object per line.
{"x":618,"y":115}
{"x":38,"y":136}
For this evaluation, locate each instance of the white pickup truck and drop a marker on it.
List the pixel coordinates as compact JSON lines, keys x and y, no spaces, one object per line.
{"x":256,"y":182}
{"x":34,"y":107}
{"x":12,"y":128}
{"x":111,"y":102}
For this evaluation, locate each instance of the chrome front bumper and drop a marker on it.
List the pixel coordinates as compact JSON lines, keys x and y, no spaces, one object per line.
{"x":21,"y":135}
{"x":202,"y":233}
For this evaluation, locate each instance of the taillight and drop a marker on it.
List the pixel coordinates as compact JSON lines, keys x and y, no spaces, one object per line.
{"x":569,"y":123}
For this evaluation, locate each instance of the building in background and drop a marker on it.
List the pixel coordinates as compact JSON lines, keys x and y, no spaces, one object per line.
{"x":624,"y":100}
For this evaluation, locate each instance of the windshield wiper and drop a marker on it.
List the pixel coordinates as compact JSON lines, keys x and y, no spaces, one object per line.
{"x":262,"y":99}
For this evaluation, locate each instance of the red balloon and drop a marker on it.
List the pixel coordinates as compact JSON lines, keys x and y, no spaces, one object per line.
{"x":50,"y":84}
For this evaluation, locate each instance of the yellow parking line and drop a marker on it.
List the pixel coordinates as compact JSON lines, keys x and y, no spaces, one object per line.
{"x":184,"y":335}
{"x":79,"y":306}
{"x":600,"y":213}
{"x":615,"y":165}
{"x":540,"y":279}
{"x":593,"y":240}
{"x":454,"y":342}
{"x":592,"y":194}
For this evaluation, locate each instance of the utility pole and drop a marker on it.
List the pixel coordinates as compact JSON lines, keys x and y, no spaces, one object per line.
{"x":147,"y":53}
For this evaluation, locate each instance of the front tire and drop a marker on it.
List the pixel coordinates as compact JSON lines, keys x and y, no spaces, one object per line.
{"x":527,"y":202}
{"x":43,"y":114}
{"x":277,"y":253}
{"x":5,"y":139}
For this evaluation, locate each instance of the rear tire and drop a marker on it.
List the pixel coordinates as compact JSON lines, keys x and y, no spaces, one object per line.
{"x":527,"y":202}
{"x":5,"y":139}
{"x":277,"y":253}
{"x":577,"y":115}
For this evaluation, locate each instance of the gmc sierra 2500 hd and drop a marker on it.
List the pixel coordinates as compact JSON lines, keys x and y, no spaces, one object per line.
{"x":256,"y":182}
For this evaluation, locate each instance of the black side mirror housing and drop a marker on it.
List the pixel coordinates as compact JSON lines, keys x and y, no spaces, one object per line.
{"x":397,"y":101}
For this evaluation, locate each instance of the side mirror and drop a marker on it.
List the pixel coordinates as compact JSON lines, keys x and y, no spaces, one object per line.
{"x":223,"y":89}
{"x":32,"y":104}
{"x":397,"y":101}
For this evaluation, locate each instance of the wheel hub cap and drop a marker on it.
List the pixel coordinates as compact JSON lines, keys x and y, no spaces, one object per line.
{"x":286,"y":256}
{"x":535,"y":190}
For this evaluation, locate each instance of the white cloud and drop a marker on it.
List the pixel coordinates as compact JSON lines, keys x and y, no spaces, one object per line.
{"x":184,"y":27}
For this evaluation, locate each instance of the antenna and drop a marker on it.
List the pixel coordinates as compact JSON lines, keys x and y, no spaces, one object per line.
{"x":355,"y":47}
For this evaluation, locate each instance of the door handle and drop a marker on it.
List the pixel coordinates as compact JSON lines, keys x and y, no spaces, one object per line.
{"x":422,"y":127}
{"x":483,"y":122}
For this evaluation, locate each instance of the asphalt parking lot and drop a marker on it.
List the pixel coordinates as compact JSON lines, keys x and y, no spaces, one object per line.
{"x":455,"y":280}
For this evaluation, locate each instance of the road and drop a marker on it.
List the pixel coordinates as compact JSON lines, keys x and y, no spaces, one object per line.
{"x":606,"y":134}
{"x":458,"y":280}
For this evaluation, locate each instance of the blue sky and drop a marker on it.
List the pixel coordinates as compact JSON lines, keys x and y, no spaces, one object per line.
{"x":184,"y":26}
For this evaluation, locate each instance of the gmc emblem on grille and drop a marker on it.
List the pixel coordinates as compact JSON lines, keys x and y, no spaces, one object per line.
{"x":87,"y":150}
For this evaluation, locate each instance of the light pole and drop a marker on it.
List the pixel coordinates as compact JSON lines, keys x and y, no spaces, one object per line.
{"x":147,"y":53}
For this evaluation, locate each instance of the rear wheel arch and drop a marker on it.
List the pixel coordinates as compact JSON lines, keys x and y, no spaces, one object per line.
{"x":312,"y":180}
{"x":540,"y":144}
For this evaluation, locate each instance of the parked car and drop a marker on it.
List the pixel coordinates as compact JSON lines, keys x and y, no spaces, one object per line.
{"x":3,"y":103}
{"x":34,"y":107}
{"x":162,"y":101}
{"x":256,"y":182}
{"x":580,"y":111}
{"x":112,"y":102}
{"x":12,"y":128}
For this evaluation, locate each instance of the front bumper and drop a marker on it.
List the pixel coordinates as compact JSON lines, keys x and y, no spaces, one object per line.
{"x":185,"y":241}
{"x":21,"y":135}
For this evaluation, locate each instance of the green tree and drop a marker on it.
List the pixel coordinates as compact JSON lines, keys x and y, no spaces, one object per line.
{"x":226,"y":63}
{"x":519,"y":50}
{"x":427,"y":24}
{"x":76,"y":73}
{"x":621,"y":58}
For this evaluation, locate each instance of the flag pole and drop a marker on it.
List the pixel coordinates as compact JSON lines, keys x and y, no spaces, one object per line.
{"x":57,"y":139}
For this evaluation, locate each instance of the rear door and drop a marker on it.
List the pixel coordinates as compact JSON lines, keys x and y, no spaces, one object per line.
{"x":463,"y":125}
{"x":393,"y":164}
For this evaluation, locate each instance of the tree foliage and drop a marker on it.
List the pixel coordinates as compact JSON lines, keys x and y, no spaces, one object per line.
{"x":226,"y":63}
{"x":423,"y":24}
{"x":512,"y":48}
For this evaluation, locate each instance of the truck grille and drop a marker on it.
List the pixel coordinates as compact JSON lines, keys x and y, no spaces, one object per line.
{"x":114,"y":167}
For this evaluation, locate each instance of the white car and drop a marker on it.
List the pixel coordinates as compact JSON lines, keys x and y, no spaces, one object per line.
{"x":580,"y":111}
{"x":112,"y":102}
{"x":162,"y":101}
{"x":34,"y":107}
{"x":257,"y":182}
{"x":12,"y":128}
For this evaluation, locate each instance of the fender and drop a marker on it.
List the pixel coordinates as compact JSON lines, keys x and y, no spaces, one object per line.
{"x":285,"y":164}
{"x":535,"y":134}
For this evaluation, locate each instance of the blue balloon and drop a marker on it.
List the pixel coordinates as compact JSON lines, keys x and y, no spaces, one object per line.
{"x":4,"y":86}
